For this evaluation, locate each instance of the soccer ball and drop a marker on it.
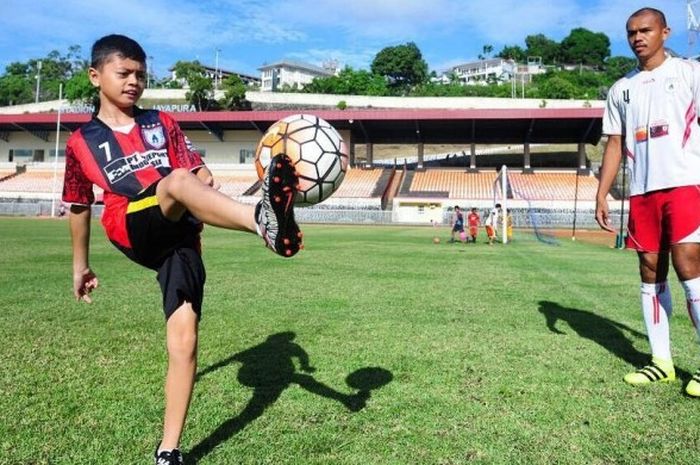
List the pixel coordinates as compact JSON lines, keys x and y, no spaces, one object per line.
{"x":319,"y":155}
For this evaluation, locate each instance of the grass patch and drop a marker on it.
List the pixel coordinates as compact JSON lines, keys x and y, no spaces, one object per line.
{"x":472,"y":354}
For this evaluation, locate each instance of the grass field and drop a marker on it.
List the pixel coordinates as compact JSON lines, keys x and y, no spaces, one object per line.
{"x":488,"y":355}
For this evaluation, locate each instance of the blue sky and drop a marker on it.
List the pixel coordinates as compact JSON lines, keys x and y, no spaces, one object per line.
{"x":249,"y":33}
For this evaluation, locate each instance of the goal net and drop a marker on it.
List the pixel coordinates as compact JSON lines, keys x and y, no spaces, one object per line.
{"x":503,"y":192}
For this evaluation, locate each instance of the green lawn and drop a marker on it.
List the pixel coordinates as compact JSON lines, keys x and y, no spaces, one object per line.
{"x":475,"y":354}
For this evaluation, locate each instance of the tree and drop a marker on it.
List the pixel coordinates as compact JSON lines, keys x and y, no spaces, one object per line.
{"x":201,"y":88}
{"x":486,"y":52}
{"x":540,"y":46}
{"x":556,"y":87}
{"x":79,"y":89}
{"x":14,"y":90}
{"x":349,"y":82}
{"x":403,"y":66}
{"x":618,"y":66}
{"x":19,"y":82}
{"x":234,"y":94}
{"x":586,"y":47}
{"x":512,"y":52}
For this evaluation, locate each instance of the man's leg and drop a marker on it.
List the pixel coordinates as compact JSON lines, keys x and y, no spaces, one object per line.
{"x":181,"y":336}
{"x":656,"y":310}
{"x":686,"y":262}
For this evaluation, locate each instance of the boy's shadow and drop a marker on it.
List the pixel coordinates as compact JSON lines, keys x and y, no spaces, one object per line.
{"x":603,"y":331}
{"x":269,"y":369}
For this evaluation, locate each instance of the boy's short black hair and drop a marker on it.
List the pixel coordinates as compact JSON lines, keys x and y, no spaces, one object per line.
{"x":117,"y":44}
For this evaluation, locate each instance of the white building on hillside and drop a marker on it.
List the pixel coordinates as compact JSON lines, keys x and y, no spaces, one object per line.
{"x":217,"y":75}
{"x":481,"y":71}
{"x":288,"y":73}
{"x":491,"y":71}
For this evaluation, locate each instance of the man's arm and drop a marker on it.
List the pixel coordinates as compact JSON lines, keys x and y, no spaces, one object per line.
{"x":612,"y":158}
{"x":84,"y":280}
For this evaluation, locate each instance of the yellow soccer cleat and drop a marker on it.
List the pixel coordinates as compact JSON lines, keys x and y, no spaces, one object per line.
{"x":693,"y":387}
{"x":660,"y":371}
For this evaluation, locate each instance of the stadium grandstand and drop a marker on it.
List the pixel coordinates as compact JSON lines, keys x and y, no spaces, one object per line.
{"x":410,"y":187}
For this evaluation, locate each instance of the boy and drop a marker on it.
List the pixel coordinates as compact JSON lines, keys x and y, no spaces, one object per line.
{"x":157,"y":194}
{"x":458,"y":224}
{"x":473,"y":220}
{"x":492,"y":223}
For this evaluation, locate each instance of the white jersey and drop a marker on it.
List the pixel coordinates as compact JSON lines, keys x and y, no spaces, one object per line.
{"x":492,"y":219}
{"x":656,"y":113}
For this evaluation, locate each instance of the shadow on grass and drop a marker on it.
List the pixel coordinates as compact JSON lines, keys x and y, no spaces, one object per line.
{"x":603,"y":331}
{"x":269,"y":369}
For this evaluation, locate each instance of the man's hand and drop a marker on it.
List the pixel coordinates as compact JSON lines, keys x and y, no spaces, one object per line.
{"x":601,"y":215}
{"x":83,"y":284}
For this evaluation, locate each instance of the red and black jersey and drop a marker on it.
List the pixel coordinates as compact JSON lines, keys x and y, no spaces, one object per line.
{"x":123,"y":164}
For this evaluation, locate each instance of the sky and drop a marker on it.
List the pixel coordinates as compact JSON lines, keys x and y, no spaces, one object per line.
{"x":246,"y":34}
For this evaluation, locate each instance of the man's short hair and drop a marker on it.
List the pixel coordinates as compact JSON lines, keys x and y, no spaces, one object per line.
{"x":115,"y":44}
{"x":658,"y":13}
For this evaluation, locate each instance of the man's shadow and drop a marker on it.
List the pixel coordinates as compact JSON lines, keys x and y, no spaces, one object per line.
{"x":269,"y":369}
{"x":603,"y":331}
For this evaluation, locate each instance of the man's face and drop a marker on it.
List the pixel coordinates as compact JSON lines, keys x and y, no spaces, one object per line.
{"x":646,"y":35}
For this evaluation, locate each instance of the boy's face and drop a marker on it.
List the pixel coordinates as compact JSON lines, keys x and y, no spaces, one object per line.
{"x":121,"y":81}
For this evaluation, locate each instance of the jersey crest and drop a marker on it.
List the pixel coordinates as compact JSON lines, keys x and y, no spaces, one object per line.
{"x":153,"y":135}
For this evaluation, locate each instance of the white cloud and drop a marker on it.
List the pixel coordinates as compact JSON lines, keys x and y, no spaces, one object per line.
{"x":250,"y":32}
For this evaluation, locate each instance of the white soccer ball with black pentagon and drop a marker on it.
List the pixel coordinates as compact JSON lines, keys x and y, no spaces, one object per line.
{"x":318,"y":152}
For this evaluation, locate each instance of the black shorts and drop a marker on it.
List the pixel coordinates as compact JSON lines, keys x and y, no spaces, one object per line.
{"x":173,"y":249}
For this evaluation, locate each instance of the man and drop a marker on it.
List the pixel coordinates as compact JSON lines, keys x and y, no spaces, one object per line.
{"x":651,"y":117}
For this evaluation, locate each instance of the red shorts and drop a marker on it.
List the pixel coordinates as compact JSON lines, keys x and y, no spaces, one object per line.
{"x":473,"y":230}
{"x":663,"y":218}
{"x":490,"y":231}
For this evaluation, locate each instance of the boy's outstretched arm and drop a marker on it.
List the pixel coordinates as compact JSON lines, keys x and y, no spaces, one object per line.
{"x":84,"y":280}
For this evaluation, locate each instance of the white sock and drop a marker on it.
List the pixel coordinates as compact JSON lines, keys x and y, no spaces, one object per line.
{"x":692,"y":297}
{"x":657,"y":309}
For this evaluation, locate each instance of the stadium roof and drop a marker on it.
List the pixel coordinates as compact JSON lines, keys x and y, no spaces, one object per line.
{"x":439,"y":126}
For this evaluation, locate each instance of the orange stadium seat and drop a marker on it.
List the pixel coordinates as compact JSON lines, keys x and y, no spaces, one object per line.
{"x":552,"y":186}
{"x":38,"y":182}
{"x":359,"y":183}
{"x":458,"y":183}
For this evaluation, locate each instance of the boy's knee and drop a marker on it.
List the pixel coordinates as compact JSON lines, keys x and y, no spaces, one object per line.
{"x":178,"y":176}
{"x":182,"y":332}
{"x":182,"y":344}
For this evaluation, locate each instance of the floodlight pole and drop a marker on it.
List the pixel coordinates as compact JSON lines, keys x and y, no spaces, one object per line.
{"x":38,"y":81}
{"x":573,"y":231}
{"x":504,"y":207}
{"x":55,"y":159}
{"x":622,"y":201}
{"x":217,"y":82}
{"x":693,"y":24}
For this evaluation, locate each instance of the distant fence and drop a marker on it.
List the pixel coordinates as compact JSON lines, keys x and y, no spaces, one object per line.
{"x":522,"y":218}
